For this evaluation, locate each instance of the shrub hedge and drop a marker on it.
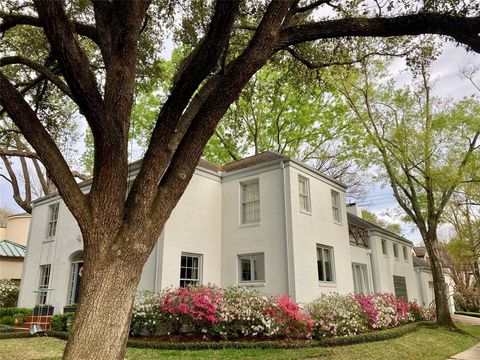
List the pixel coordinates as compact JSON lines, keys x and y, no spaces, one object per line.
{"x":62,"y":322}
{"x":378,"y":335}
{"x":8,"y":314}
{"x":8,"y":293}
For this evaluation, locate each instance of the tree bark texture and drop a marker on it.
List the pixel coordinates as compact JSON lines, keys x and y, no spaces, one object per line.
{"x":439,"y":285}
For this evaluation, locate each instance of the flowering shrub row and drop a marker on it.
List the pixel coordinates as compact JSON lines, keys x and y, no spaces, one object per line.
{"x":235,"y":312}
{"x":8,"y":293}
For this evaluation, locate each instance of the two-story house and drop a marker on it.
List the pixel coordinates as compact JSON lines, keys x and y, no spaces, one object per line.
{"x":267,"y":221}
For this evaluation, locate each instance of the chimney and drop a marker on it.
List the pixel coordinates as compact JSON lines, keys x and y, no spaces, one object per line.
{"x":352,"y":208}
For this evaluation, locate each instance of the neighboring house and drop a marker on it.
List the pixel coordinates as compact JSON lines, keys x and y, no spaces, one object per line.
{"x":13,"y":240}
{"x":267,"y":222}
{"x":420,"y":252}
{"x":424,"y":279}
{"x":388,"y":255}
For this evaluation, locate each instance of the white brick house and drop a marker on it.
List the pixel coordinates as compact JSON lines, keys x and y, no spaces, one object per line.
{"x":267,"y":221}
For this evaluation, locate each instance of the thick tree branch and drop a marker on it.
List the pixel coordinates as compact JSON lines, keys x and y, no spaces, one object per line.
{"x":228,"y":88}
{"x":462,"y":29}
{"x":73,"y":63}
{"x":12,"y":20}
{"x":48,"y":74}
{"x":34,"y":132}
{"x":196,"y":67}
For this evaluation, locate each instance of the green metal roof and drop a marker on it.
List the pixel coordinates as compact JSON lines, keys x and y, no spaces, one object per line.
{"x":11,"y":249}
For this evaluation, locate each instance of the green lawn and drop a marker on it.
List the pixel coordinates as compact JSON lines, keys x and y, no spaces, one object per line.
{"x":425,"y":344}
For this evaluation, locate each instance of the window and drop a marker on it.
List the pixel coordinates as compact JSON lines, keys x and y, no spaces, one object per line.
{"x":250,"y":202}
{"x":400,"y":287}
{"x":360,"y":279}
{"x":325,"y":263}
{"x":252,"y":267}
{"x":190,"y":269}
{"x":304,"y":194}
{"x":384,"y":247}
{"x":52,"y":220}
{"x":395,"y":250}
{"x":75,"y":281}
{"x":405,"y":253}
{"x":43,"y":284}
{"x":336,"y":207}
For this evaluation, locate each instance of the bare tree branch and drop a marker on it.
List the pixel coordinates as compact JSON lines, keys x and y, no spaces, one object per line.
{"x":319,"y":65}
{"x":309,"y":7}
{"x":18,"y":153}
{"x":34,"y":132}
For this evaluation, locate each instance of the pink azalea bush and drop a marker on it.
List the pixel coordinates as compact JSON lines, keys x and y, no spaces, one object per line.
{"x":384,"y":310}
{"x":420,"y":313}
{"x":336,"y":315}
{"x":239,"y":312}
{"x":214,"y":312}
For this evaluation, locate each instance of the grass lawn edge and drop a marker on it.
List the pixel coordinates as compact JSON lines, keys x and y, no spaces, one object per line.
{"x":468,"y":313}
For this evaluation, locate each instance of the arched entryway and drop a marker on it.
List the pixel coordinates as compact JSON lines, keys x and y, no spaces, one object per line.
{"x":76,"y":261}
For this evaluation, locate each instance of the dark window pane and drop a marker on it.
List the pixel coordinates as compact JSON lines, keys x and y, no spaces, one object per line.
{"x":321,"y":276}
{"x":246,"y":270}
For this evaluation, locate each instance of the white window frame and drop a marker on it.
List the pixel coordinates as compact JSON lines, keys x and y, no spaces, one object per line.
{"x":323,"y":249}
{"x":192,"y":281}
{"x":52,"y":224}
{"x":243,"y":203}
{"x":405,"y":253}
{"x":384,"y":245}
{"x":396,"y":254}
{"x":362,"y":276}
{"x":253,"y":276}
{"x":304,"y":198}
{"x":44,"y":283}
{"x":336,"y":207}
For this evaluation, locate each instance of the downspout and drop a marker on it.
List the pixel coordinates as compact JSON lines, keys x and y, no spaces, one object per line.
{"x":286,"y":227}
{"x":155,"y":285}
{"x":373,"y":265}
{"x":374,"y":285}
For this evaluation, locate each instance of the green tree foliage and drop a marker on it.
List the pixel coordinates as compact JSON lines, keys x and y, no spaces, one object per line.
{"x":373,"y":218}
{"x":421,"y":145}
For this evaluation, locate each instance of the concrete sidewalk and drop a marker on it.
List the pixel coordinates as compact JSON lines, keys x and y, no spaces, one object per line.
{"x":470,"y":354}
{"x":474,"y":352}
{"x":469,"y":320}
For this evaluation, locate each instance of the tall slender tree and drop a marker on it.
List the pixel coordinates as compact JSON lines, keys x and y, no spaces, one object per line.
{"x":120,"y":224}
{"x":425,"y":147}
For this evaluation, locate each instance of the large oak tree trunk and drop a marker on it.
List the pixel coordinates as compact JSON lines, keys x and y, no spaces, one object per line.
{"x":439,"y":285}
{"x":102,"y":321}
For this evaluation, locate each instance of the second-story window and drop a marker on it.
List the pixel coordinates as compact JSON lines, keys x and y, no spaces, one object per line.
{"x":250,"y":202}
{"x":304,"y":194}
{"x":395,"y":250}
{"x":52,"y":220}
{"x":337,"y":216}
{"x":405,"y":253}
{"x":384,"y":247}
